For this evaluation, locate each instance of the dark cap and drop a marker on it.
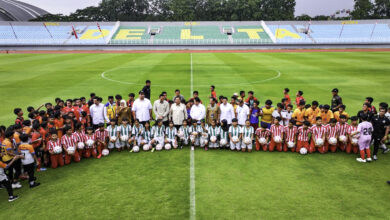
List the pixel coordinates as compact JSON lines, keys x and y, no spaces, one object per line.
{"x":141,"y":92}
{"x":335,"y":90}
{"x":101,"y":125}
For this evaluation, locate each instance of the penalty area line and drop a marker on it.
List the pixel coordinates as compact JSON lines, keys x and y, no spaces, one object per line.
{"x":192,"y":160}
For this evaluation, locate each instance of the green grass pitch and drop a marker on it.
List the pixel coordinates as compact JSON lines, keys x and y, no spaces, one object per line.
{"x":229,"y":185}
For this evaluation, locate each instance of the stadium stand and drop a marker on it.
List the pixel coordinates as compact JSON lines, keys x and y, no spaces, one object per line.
{"x":195,"y":33}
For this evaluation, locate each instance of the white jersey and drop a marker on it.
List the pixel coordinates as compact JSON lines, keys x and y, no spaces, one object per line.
{"x":137,"y":131}
{"x":213,"y":131}
{"x":158,"y":131}
{"x":125,"y":130}
{"x":147,"y":135}
{"x":247,"y":132}
{"x":223,"y":134}
{"x":170,"y":133}
{"x":235,"y":131}
{"x":185,"y":131}
{"x":112,"y":131}
{"x":197,"y":128}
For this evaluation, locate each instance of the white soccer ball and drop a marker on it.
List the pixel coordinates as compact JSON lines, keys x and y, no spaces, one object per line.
{"x":278,"y":139}
{"x":124,"y":138}
{"x":290,"y":144}
{"x":262,"y":141}
{"x":223,"y":142}
{"x":113,"y":138}
{"x":247,"y":140}
{"x":90,"y":142}
{"x":180,"y":133}
{"x":105,"y":152}
{"x":168,"y":146}
{"x":235,"y":139}
{"x":213,"y":139}
{"x":343,"y":138}
{"x":57,"y":149}
{"x":159,"y":147}
{"x":355,"y":141}
{"x":146,"y":147}
{"x":320,"y":142}
{"x":332,"y":141}
{"x":303,"y":151}
{"x":71,"y":150}
{"x":80,"y":145}
{"x":135,"y":149}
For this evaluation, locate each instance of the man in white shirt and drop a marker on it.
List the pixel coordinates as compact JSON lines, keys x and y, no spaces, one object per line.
{"x":242,"y":113}
{"x":142,"y":108}
{"x":227,"y":111}
{"x":161,"y":109}
{"x":178,"y":113}
{"x":198,"y":111}
{"x":97,"y":112}
{"x":286,"y":115}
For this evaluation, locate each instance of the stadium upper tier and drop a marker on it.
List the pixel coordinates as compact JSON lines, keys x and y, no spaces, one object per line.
{"x":194,"y":33}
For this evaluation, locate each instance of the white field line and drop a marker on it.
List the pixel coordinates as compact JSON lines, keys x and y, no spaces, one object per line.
{"x":192,"y":166}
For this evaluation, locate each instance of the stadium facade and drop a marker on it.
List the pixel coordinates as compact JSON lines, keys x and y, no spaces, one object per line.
{"x":11,"y":10}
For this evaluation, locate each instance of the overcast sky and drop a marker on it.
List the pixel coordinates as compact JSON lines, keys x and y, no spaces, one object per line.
{"x":310,"y":7}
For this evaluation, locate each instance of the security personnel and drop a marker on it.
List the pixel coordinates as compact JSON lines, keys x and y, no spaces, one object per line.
{"x":336,"y":100}
{"x":381,"y":126}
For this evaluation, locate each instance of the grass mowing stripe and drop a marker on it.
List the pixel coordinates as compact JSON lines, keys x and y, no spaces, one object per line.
{"x":192,"y":164}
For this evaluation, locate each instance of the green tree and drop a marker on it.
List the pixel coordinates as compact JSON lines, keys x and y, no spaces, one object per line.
{"x":278,"y":9}
{"x":382,"y":9}
{"x":303,"y":17}
{"x":363,"y":9}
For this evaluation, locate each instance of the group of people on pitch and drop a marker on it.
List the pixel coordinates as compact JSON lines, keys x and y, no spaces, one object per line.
{"x":76,"y":128}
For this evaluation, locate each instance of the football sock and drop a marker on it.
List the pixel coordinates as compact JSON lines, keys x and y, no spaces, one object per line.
{"x":362,"y":154}
{"x":368,"y":153}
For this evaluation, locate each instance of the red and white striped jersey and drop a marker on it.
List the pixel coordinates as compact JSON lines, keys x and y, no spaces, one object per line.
{"x":78,"y":137}
{"x":342,"y":128}
{"x":318,"y":131}
{"x":68,"y":141}
{"x":303,"y":135}
{"x":263,"y":134}
{"x":290,"y":133}
{"x":331,"y":131}
{"x":277,"y":130}
{"x":352,"y":129}
{"x":51,"y":144}
{"x":89,"y":137}
{"x":101,"y":135}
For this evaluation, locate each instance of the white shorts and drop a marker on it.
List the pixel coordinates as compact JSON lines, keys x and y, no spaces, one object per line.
{"x":184,"y":140}
{"x":235,"y":146}
{"x":124,"y":143}
{"x":172,"y":142}
{"x":159,"y":140}
{"x":244,"y":146}
{"x":195,"y":140}
{"x":112,"y":145}
{"x":137,"y":140}
{"x":213,"y":145}
{"x":204,"y":141}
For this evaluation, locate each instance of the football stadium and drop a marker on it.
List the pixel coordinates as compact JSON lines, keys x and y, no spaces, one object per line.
{"x":184,"y":119}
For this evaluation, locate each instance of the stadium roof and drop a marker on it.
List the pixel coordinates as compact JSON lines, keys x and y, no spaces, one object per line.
{"x":11,"y":10}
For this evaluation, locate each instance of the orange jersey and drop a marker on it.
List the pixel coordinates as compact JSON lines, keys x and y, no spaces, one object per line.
{"x":26,"y":130}
{"x":311,"y":115}
{"x":16,"y":138}
{"x":59,"y":123}
{"x":35,"y":136}
{"x":299,"y":115}
{"x":288,"y":99}
{"x":325,"y":116}
{"x":337,"y":115}
{"x":85,"y":108}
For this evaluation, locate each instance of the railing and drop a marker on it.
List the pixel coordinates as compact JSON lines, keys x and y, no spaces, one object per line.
{"x":307,"y":41}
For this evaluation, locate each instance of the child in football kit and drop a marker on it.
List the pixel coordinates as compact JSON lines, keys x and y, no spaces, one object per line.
{"x":136,"y":133}
{"x":158,"y":134}
{"x":183,"y":134}
{"x":125,"y":134}
{"x":318,"y":132}
{"x":304,"y":138}
{"x":29,"y":159}
{"x":204,"y":137}
{"x":113,"y":133}
{"x":55,"y":156}
{"x":195,"y":131}
{"x":90,"y":143}
{"x":4,"y":179}
{"x":101,"y":139}
{"x":235,"y":135}
{"x":276,"y":135}
{"x":290,"y":134}
{"x":364,"y":131}
{"x":69,"y":146}
{"x":332,"y":134}
{"x":146,"y":137}
{"x":170,"y":135}
{"x":224,"y":134}
{"x":352,"y":145}
{"x":247,"y":136}
{"x":342,"y":127}
{"x":261,"y":133}
{"x":78,"y":137}
{"x":213,"y":132}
